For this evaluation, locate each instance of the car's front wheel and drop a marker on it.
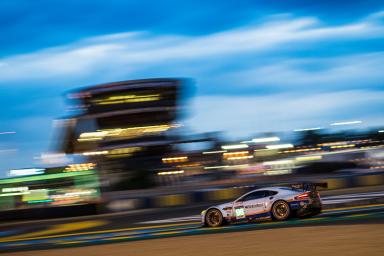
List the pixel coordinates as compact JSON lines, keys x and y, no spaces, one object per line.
{"x":213,"y":218}
{"x":280,"y":210}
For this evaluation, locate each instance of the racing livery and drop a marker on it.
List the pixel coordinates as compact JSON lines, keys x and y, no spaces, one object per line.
{"x":278,"y":203}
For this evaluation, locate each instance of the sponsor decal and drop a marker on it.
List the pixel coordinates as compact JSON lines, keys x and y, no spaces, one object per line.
{"x":254,"y":205}
{"x":240,"y":213}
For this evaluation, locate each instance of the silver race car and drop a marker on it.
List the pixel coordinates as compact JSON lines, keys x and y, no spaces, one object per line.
{"x":278,"y":203}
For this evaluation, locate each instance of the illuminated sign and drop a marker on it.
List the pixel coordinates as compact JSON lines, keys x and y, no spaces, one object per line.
{"x":175,"y":159}
{"x":79,"y":167}
{"x":170,"y":172}
{"x":124,"y":132}
{"x":25,"y":172}
{"x":120,"y":99}
{"x":123,"y":152}
{"x":15,"y":189}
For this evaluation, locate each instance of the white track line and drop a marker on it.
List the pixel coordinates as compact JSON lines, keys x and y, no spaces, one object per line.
{"x":171,"y":220}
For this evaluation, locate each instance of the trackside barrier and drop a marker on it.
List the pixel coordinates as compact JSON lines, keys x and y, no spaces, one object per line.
{"x":337,"y":183}
{"x":369,"y":180}
{"x":172,"y":200}
{"x":222,"y":194}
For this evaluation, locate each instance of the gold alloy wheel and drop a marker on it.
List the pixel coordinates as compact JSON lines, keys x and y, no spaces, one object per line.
{"x":214,"y":218}
{"x":280,"y":210}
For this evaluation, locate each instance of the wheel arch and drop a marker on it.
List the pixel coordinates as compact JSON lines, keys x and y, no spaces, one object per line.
{"x":272,"y":202}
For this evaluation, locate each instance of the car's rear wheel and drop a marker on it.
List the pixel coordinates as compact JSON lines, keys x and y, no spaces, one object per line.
{"x":280,"y":210}
{"x":213,"y":218}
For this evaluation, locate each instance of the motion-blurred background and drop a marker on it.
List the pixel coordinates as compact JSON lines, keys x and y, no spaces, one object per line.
{"x":116,"y":103}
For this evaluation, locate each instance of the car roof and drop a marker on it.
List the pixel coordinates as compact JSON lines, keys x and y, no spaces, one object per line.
{"x":271,"y":188}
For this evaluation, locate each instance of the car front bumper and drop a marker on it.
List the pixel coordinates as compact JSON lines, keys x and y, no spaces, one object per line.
{"x":203,"y":217}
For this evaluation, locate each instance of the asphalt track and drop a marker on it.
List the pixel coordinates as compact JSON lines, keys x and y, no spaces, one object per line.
{"x":53,"y":234}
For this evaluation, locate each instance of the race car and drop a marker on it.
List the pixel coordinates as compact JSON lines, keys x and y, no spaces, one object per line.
{"x":276,"y":203}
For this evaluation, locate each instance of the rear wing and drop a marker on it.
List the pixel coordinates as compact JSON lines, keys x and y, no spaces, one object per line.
{"x":309,"y":186}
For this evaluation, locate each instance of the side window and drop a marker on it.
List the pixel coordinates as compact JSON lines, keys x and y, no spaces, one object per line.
{"x":271,"y":193}
{"x":254,"y":195}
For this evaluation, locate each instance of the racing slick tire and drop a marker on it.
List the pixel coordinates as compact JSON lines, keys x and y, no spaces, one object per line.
{"x":214,"y":218}
{"x":280,"y":210}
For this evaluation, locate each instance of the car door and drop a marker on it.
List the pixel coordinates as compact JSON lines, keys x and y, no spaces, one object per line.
{"x":250,"y":205}
{"x":254,"y":203}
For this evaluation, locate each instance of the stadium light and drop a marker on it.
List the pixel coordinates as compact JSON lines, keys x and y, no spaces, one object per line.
{"x":235,"y":146}
{"x":4,"y":133}
{"x":266,"y":139}
{"x":307,"y":129}
{"x":346,"y":123}
{"x":279,"y":146}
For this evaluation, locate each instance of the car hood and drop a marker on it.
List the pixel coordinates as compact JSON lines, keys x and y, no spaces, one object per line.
{"x":225,"y":205}
{"x":221,"y":207}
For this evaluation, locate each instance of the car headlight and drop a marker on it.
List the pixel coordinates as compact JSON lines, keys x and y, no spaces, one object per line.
{"x":203,"y":212}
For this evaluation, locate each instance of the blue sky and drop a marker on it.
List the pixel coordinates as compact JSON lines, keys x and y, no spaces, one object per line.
{"x":258,"y":65}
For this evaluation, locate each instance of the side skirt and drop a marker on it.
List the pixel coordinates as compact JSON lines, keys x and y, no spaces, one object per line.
{"x":252,"y":218}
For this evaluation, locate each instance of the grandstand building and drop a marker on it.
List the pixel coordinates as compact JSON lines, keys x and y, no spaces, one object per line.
{"x":125,"y":127}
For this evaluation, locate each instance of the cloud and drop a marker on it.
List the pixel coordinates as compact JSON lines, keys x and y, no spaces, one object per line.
{"x":302,"y":59}
{"x":247,"y":115}
{"x":129,"y":53}
{"x":357,"y":71}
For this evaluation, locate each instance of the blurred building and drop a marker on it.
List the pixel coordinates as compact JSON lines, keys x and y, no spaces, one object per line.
{"x":75,"y":184}
{"x":130,"y":130}
{"x":125,"y":127}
